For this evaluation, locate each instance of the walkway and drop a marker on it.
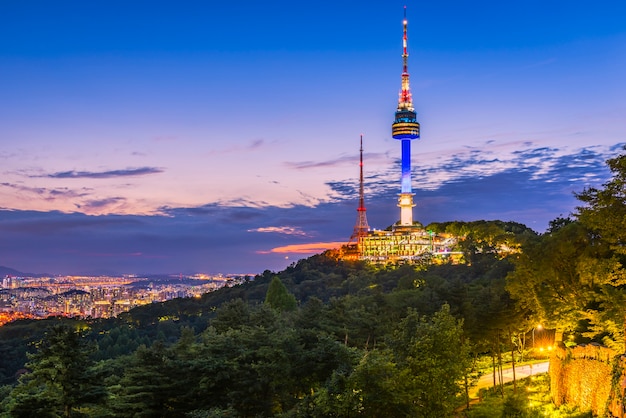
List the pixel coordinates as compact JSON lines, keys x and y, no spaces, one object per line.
{"x":486,"y":380}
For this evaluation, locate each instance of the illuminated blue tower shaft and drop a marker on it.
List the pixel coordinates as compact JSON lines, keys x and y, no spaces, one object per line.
{"x":406,"y":166}
{"x":405,"y":128}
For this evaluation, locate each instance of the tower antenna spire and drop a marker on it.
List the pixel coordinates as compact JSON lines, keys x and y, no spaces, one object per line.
{"x":405,"y":101}
{"x":405,"y":128}
{"x":361,"y":228}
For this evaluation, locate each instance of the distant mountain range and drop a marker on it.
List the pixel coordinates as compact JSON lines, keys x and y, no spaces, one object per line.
{"x":7,"y":271}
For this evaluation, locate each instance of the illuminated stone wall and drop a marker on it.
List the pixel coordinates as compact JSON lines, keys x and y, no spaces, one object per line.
{"x":591,"y":377}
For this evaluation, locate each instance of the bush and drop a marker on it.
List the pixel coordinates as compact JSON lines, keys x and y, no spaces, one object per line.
{"x":514,"y":406}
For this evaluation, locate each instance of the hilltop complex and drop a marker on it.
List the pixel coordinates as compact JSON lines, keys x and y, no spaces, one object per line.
{"x":405,"y":241}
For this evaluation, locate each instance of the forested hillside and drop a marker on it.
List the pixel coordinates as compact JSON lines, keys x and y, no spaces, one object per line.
{"x":303,"y":341}
{"x":327,"y":337}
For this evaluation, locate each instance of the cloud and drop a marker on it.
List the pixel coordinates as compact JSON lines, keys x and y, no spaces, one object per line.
{"x":308,"y":248}
{"x":48,"y":193}
{"x":336,"y":162}
{"x":347,"y":189}
{"x":434,"y":172}
{"x":303,"y":165}
{"x":530,"y":186}
{"x":81,"y":199}
{"x":257,"y":143}
{"x":50,"y":223}
{"x":129,"y":172}
{"x":223,"y":212}
{"x":99,"y":204}
{"x":286,"y":230}
{"x":251,"y":146}
{"x":4,"y":155}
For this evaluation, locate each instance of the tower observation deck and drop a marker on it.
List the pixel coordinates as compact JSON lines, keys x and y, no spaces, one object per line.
{"x":405,"y":128}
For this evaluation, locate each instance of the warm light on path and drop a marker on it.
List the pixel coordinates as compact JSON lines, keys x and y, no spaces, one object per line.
{"x":521,"y":372}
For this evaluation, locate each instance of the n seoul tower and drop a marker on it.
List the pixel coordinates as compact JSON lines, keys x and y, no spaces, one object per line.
{"x":405,"y":128}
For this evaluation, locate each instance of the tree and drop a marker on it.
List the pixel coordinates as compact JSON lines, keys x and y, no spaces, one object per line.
{"x":434,"y":359}
{"x":150,"y":386}
{"x":232,"y":314}
{"x":603,"y":212}
{"x":380,"y":384}
{"x":548,"y":280}
{"x":419,"y":374}
{"x":573,"y":275}
{"x":278,"y":297}
{"x":604,"y":209}
{"x":60,"y":382}
{"x":372,"y":389}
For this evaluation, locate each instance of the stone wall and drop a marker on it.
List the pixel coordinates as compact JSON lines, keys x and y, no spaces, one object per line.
{"x":591,"y":377}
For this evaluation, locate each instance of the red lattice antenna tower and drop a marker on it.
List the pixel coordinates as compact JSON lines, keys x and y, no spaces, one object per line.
{"x":361,"y":228}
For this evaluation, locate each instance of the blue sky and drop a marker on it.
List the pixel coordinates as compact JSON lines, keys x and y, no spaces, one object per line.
{"x":218,"y":137}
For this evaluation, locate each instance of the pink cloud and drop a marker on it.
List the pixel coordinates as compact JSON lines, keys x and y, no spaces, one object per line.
{"x":310,"y":248}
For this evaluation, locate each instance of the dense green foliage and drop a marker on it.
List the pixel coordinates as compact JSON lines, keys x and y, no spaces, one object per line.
{"x":573,"y":277}
{"x":60,"y":382}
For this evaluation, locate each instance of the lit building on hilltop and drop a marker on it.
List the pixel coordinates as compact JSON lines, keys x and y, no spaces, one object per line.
{"x":406,"y":241}
{"x":400,"y":245}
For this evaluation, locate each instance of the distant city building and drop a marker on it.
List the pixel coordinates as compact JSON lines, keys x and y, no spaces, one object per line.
{"x":96,"y":297}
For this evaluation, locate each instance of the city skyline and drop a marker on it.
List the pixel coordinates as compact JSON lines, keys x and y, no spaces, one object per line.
{"x":225,"y":138}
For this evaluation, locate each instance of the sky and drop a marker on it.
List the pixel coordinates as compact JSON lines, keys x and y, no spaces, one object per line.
{"x":223,"y":137}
